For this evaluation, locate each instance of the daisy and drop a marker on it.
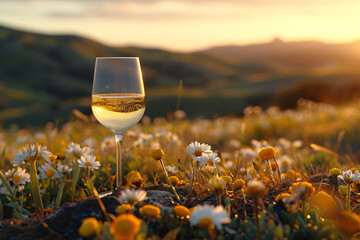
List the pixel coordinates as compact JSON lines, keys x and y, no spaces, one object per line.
{"x":171,"y":169}
{"x":180,"y":114}
{"x":88,"y":161}
{"x":217,"y":184}
{"x":229,"y":164}
{"x":248,"y":152}
{"x":255,"y":188}
{"x":144,"y":140}
{"x":206,"y":215}
{"x":64,"y":169}
{"x":349,"y":177}
{"x":197,"y":150}
{"x":259,"y":144}
{"x":234,"y":144}
{"x":47,"y":171}
{"x":77,"y":151}
{"x":108,"y":145}
{"x":211,"y":159}
{"x":89,"y":142}
{"x":285,"y":163}
{"x":20,"y":177}
{"x":31,"y":152}
{"x":132,"y":196}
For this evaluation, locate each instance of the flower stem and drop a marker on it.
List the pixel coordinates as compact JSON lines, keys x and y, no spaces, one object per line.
{"x":76,"y":173}
{"x":35,"y":185}
{"x":218,"y":199}
{"x":258,"y":227}
{"x":278,"y":168}
{"x":271,"y":172}
{"x":168,"y":181}
{"x":348,"y":196}
{"x":60,"y":193}
{"x":6,"y":184}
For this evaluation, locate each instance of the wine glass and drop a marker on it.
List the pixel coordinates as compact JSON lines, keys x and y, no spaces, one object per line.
{"x":118,"y":98}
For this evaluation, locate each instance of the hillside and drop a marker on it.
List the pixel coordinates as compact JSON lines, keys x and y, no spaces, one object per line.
{"x":43,"y":77}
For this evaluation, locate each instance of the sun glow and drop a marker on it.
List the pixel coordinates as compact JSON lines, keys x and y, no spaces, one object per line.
{"x":188,"y":25}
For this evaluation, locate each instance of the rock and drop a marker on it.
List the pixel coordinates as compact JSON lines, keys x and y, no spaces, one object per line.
{"x":64,"y":223}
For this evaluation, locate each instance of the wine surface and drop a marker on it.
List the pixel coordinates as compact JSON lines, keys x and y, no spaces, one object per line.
{"x":118,"y":112}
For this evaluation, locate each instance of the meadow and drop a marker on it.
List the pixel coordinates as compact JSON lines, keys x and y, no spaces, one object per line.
{"x":269,"y":174}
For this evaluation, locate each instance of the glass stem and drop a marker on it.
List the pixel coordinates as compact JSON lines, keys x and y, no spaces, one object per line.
{"x":118,"y":139}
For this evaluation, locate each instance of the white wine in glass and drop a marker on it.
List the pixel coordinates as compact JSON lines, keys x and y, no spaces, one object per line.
{"x":118,"y":98}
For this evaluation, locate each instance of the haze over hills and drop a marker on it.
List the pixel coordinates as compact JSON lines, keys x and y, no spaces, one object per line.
{"x":43,"y":77}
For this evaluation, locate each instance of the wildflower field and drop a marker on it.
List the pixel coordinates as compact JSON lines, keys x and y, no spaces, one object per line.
{"x":269,"y":174}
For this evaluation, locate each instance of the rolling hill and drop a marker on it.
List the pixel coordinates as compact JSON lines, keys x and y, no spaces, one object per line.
{"x":43,"y":77}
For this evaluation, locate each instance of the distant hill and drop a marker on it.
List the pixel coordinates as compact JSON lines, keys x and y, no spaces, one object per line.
{"x":43,"y":77}
{"x":300,"y":54}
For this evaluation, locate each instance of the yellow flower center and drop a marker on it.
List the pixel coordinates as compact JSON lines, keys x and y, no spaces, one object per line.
{"x":205,"y":222}
{"x":76,"y":155}
{"x":210,"y":162}
{"x":53,"y":158}
{"x":131,"y":200}
{"x":17,"y":178}
{"x":198,"y":152}
{"x":49,"y":173}
{"x":88,"y":164}
{"x":7,"y":175}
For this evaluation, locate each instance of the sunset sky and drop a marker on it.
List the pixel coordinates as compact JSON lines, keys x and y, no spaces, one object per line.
{"x":186,"y":25}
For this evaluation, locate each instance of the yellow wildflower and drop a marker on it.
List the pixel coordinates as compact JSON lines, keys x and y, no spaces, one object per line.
{"x":325,"y":203}
{"x":238,"y":184}
{"x":125,"y":226}
{"x":132,"y":175}
{"x":181,"y":211}
{"x":282,"y":196}
{"x":289,"y":175}
{"x":227,"y":179}
{"x":89,"y":227}
{"x":150,"y":211}
{"x":157,"y":154}
{"x":255,"y":188}
{"x":123,"y":208}
{"x":334,"y":172}
{"x":303,"y":189}
{"x":267,"y":153}
{"x":174,"y":180}
{"x":343,"y":190}
{"x":348,"y":222}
